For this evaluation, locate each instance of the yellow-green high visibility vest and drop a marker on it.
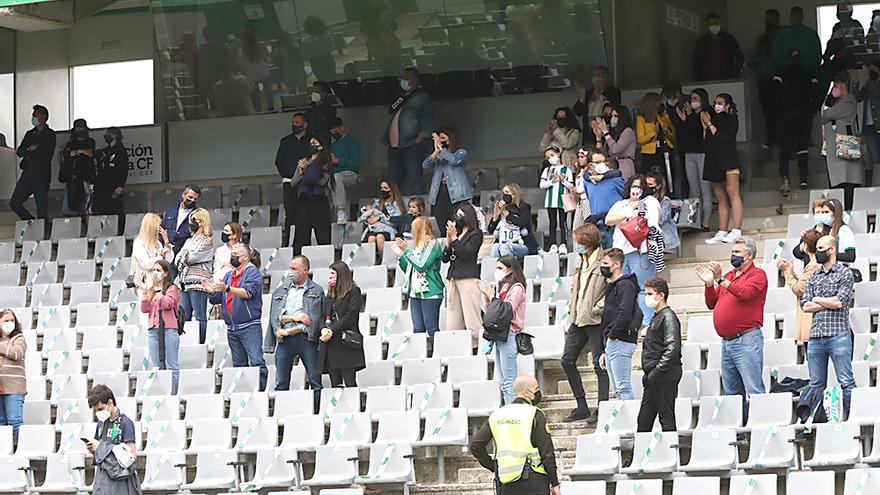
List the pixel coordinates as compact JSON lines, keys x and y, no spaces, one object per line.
{"x":512,"y":431}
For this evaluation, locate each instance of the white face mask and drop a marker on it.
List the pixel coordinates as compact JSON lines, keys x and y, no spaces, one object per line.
{"x":7,"y":327}
{"x":600,"y":168}
{"x":695,"y":105}
{"x":672,"y":101}
{"x":614,"y":121}
{"x":499,"y":275}
{"x":404,"y":84}
{"x":158,"y":275}
{"x":715,"y":28}
{"x":316,"y":97}
{"x":102,"y":415}
{"x":719,"y":108}
{"x":554,"y":160}
{"x":651,"y":301}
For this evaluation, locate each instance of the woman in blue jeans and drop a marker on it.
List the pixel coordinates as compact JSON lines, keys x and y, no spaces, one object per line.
{"x":195,"y":264}
{"x":509,"y":275}
{"x":424,"y":284}
{"x":646,"y":259}
{"x":13,"y":385}
{"x":161,"y":302}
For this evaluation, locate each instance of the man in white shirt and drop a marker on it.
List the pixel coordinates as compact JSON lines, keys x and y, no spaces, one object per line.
{"x":175,"y":219}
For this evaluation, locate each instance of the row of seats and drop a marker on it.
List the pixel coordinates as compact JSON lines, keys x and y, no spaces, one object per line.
{"x":864,"y":198}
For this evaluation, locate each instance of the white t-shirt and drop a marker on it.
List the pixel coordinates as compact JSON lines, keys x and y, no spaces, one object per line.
{"x":182,"y":214}
{"x":846,"y":239}
{"x":652,"y":215}
{"x":222,"y":257}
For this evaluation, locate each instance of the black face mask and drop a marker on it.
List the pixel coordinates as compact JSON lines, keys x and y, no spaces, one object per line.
{"x":224,"y":237}
{"x":193,"y":226}
{"x":560,"y":122}
{"x":650,"y":190}
{"x":384,"y":194}
{"x":189,"y":204}
{"x":460,"y":224}
{"x":507,"y":198}
{"x":537,"y":398}
{"x":235,"y":261}
{"x":607,"y":119}
{"x":874,"y":75}
{"x":444,"y":144}
{"x":108,"y":138}
{"x":822,"y":257}
{"x":314,"y":149}
{"x":296,"y":129}
{"x":605,"y":271}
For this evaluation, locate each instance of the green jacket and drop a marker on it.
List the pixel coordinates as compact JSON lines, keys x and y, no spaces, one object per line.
{"x":427,"y":262}
{"x":804,"y":39}
{"x":759,"y":57}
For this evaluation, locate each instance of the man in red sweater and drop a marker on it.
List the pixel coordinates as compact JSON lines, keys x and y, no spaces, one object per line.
{"x":737,"y":303}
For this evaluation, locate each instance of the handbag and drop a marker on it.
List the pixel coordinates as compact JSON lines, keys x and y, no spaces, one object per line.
{"x":848,"y":146}
{"x":350,"y":338}
{"x":524,"y":344}
{"x":635,"y":229}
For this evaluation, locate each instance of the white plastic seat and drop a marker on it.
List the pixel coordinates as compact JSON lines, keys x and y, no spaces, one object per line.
{"x":29,"y":230}
{"x":64,"y":474}
{"x":10,"y":273}
{"x":79,"y":271}
{"x":623,"y":422}
{"x":431,"y":396}
{"x":265,"y":237}
{"x":537,"y":314}
{"x":333,"y":466}
{"x":13,"y":479}
{"x":375,"y":374}
{"x":480,"y":398}
{"x":385,"y":399}
{"x":247,"y":405}
{"x":196,"y":381}
{"x":35,"y":252}
{"x":398,"y":427}
{"x":402,"y":347}
{"x":102,"y":225}
{"x":302,"y":432}
{"x":394,"y":322}
{"x":273,"y":470}
{"x":160,"y":408}
{"x":104,"y":360}
{"x":166,"y":436}
{"x":387,"y":299}
{"x":770,"y":448}
{"x":372,"y":348}
{"x":35,"y":441}
{"x":397,"y":469}
{"x":66,"y":228}
{"x":274,"y":257}
{"x":214,"y":471}
{"x":209,"y":435}
{"x":452,"y":343}
{"x":704,"y":485}
{"x":765,"y":484}
{"x":371,"y":277}
{"x":5,"y":440}
{"x":36,"y":387}
{"x":836,"y":445}
{"x":100,"y":338}
{"x":93,"y":314}
{"x":591,"y":487}
{"x":53,"y":317}
{"x":68,"y":387}
{"x":44,"y":272}
{"x":72,"y":411}
{"x":642,"y":487}
{"x":780,"y":352}
{"x":767,"y":410}
{"x":700,"y":383}
{"x":866,"y":198}
{"x":701,"y":330}
{"x":541,"y":266}
{"x":319,"y":256}
{"x":359,"y":254}
{"x":118,"y":382}
{"x":809,"y":482}
{"x":120,"y":295}
{"x":63,"y":363}
{"x":58,"y":339}
{"x":444,"y":427}
{"x":13,"y":296}
{"x":712,"y":450}
{"x":556,"y":289}
{"x":240,"y":380}
{"x":348,"y":400}
{"x":595,"y":454}
{"x":548,"y":341}
{"x":868,"y":478}
{"x":416,"y":371}
{"x":293,"y":403}
{"x":351,"y":429}
{"x":152,"y":383}
{"x":466,"y":369}
{"x":654,"y":452}
{"x":256,"y":433}
{"x":203,"y":406}
{"x":254,"y":217}
{"x":7,"y":252}
{"x":115,"y":269}
{"x":720,"y":412}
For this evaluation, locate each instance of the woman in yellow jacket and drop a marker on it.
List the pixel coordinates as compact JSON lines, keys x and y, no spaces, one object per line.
{"x":655,"y":134}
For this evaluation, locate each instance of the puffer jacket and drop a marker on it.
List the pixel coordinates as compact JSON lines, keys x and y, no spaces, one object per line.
{"x":587,"y":310}
{"x":661,"y":349}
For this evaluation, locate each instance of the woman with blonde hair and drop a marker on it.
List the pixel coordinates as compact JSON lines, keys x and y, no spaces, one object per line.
{"x":511,"y":223}
{"x":654,"y":133}
{"x":150,"y":246}
{"x":424,"y":284}
{"x":798,"y":283}
{"x":195,"y":263}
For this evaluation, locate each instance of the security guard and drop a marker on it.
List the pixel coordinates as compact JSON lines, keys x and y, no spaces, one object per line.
{"x":524,"y":461}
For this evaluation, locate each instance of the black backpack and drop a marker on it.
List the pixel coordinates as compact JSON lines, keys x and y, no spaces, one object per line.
{"x":497,"y":319}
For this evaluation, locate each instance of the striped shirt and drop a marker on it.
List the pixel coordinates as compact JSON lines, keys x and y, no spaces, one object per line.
{"x":555,"y":190}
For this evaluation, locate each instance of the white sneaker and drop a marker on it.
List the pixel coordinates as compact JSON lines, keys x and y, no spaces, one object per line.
{"x":719,"y":237}
{"x":553,"y":249}
{"x":563,"y":249}
{"x":341,"y":217}
{"x":732,"y":236}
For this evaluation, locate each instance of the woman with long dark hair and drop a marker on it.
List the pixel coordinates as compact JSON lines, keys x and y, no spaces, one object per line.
{"x":161,"y":305}
{"x":314,"y":178}
{"x":722,"y":167}
{"x":463,"y":241}
{"x":564,"y":132}
{"x":449,"y":184}
{"x":616,"y":138}
{"x":340,"y":347}
{"x":841,"y":118}
{"x":690,"y":142}
{"x":13,"y":385}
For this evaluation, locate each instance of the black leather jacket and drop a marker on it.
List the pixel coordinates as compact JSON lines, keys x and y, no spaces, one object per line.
{"x":661,"y":350}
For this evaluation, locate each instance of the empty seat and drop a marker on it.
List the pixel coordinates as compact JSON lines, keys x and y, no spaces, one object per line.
{"x":293,"y":403}
{"x":209,"y":435}
{"x":333,"y":466}
{"x":719,"y":412}
{"x":401,"y":347}
{"x":256,"y":433}
{"x":350,"y":429}
{"x":453,"y":343}
{"x":102,"y":226}
{"x":248,"y":194}
{"x":541,"y":266}
{"x":617,"y":417}
{"x":265,"y":237}
{"x":240,"y":380}
{"x":7,"y":252}
{"x":764,"y":484}
{"x":209,"y":198}
{"x":35,"y":441}
{"x":85,"y":292}
{"x":592,"y":487}
{"x":13,"y":477}
{"x":63,"y":363}
{"x":66,"y":228}
{"x":36,"y":252}
{"x":30,"y":230}
{"x":247,"y":405}
{"x":69,"y":387}
{"x":254,"y":216}
{"x":417,"y":371}
{"x":152,"y":383}
{"x":275,"y":258}
{"x":45,"y":272}
{"x":273,"y":469}
{"x":598,"y":453}
{"x":393,"y":322}
{"x":109,"y":248}
{"x":389,"y":464}
{"x":117,"y":269}
{"x":462,"y":369}
{"x":359,"y":254}
{"x":444,"y":427}
{"x":768,"y":410}
{"x":836,"y":445}
{"x":809,"y":482}
{"x":700,"y":383}
{"x":108,"y":360}
{"x":58,"y":339}
{"x":13,"y":297}
{"x":165,"y":436}
{"x":866,"y":198}
{"x":398,"y":427}
{"x":10,"y":273}
{"x":770,"y":448}
{"x":196,"y":381}
{"x":861,"y":481}
{"x":378,"y":300}
{"x":71,"y":250}
{"x":654,"y":452}
{"x":385,"y":399}
{"x":92,"y":314}
{"x":303,"y":432}
{"x":712,"y":450}
{"x":319,"y":256}
{"x":214,"y":470}
{"x":376,"y":373}
{"x":133,"y":224}
{"x":120,"y":294}
{"x":431,"y":396}
{"x":480,"y":398}
{"x":642,"y":487}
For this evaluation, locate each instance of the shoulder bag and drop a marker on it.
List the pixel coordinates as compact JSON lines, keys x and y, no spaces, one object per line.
{"x":848,"y":146}
{"x":636,"y":229}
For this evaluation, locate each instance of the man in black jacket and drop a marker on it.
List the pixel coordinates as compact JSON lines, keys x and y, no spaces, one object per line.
{"x":661,"y":360}
{"x":621,"y":319}
{"x":292,"y":148}
{"x":111,"y":175}
{"x":717,"y":55}
{"x":795,"y":92}
{"x":36,"y":151}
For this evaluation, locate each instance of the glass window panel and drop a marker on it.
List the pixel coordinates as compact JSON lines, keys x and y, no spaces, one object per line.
{"x":117,"y":94}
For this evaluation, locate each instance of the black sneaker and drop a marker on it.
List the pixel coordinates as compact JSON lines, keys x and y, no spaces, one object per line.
{"x":805,"y":184}
{"x":577,"y":415}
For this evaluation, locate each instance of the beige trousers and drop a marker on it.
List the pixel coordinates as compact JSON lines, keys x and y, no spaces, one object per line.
{"x":463,"y":307}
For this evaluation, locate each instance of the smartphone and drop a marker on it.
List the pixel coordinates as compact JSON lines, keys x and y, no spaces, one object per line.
{"x":84,"y":439}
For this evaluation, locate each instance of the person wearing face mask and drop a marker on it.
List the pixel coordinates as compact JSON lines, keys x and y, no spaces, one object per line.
{"x":692,"y":146}
{"x":292,"y":149}
{"x":296,"y":317}
{"x":760,"y":60}
{"x":340,"y":345}
{"x":111,"y":175}
{"x":13,"y":385}
{"x":161,"y":305}
{"x":847,"y":35}
{"x":828,"y":214}
{"x":410,"y":126}
{"x":620,"y":322}
{"x":315,"y":186}
{"x":717,"y":55}
{"x":797,"y":36}
{"x":604,"y":187}
{"x":463,"y":241}
{"x":195,"y":265}
{"x":646,"y":259}
{"x":240,"y":297}
{"x":827,"y":297}
{"x":511,"y":282}
{"x":591,"y":102}
{"x":737,"y":303}
{"x":795,"y":92}
{"x":424,"y":284}
{"x":585,"y":318}
{"x":36,"y":151}
{"x":657,"y":188}
{"x":556,"y":179}
{"x":379,"y":217}
{"x":511,"y":222}
{"x":232,"y":234}
{"x":113,"y":428}
{"x":615,"y":137}
{"x":321,"y":114}
{"x":449,"y":182}
{"x":722,"y":167}
{"x":841,"y":118}
{"x":175,"y":222}
{"x":661,"y":360}
{"x":415,"y":208}
{"x":150,"y":246}
{"x":525,"y":460}
{"x":655,"y":134}
{"x":345,"y":154}
{"x":869,"y":96}
{"x":77,"y":168}
{"x":798,"y":283}
{"x":563,"y":132}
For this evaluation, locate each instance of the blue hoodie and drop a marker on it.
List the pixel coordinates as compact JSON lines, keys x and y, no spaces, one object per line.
{"x":245,"y":312}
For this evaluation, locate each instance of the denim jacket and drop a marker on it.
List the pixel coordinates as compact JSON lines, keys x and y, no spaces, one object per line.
{"x":416,"y":119}
{"x":671,"y":239}
{"x":313,"y":305}
{"x":451,"y":166}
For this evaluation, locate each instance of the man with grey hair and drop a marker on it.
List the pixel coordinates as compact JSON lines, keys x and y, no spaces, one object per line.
{"x":737,"y":303}
{"x":827,"y":297}
{"x":240,"y":297}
